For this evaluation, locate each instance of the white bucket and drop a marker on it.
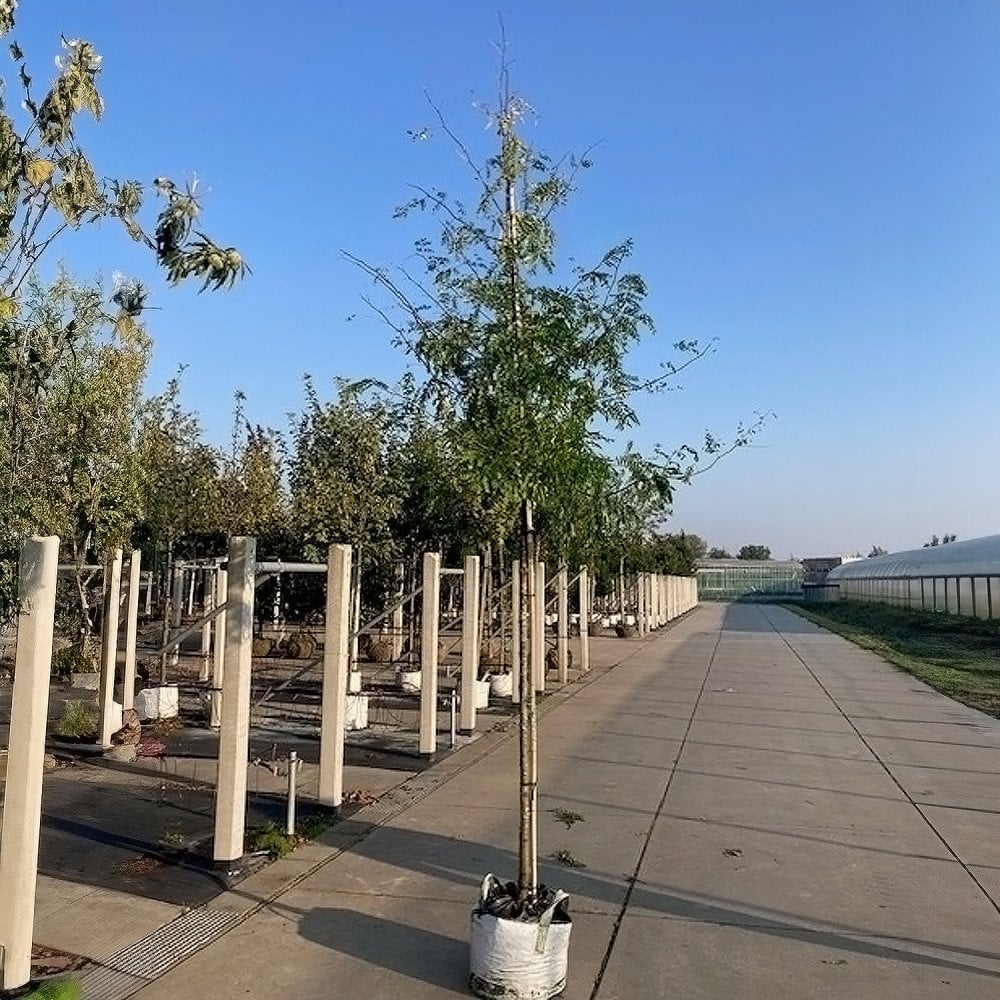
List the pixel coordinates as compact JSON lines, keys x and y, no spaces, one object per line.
{"x":356,"y":715}
{"x":501,"y":685}
{"x":482,"y":694}
{"x":410,"y":680}
{"x":518,"y":959}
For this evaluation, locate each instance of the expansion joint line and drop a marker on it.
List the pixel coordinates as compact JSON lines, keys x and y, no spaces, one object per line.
{"x":634,"y":877}
{"x":885,"y":767}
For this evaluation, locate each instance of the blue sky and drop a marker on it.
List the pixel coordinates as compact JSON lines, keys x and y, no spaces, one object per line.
{"x":813,"y":182}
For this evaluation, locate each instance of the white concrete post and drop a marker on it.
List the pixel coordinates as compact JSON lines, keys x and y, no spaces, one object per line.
{"x":219,"y":657}
{"x":640,"y":600}
{"x":336,"y":664}
{"x":660,"y":617}
{"x":654,"y":618}
{"x":515,"y":632}
{"x":131,"y":627}
{"x":584,"y":591}
{"x":429,"y":652}
{"x":205,"y":671}
{"x":23,"y":793}
{"x":109,"y":647}
{"x":538,"y":630}
{"x":234,"y":734}
{"x":562,"y":625}
{"x":148,"y":609}
{"x":470,"y":643}
{"x":191,"y":586}
{"x":671,"y":598}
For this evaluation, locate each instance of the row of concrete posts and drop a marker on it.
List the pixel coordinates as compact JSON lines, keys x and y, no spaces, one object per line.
{"x":660,"y":599}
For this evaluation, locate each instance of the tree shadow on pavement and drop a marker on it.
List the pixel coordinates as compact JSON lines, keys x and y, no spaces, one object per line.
{"x":413,"y":952}
{"x":421,"y":953}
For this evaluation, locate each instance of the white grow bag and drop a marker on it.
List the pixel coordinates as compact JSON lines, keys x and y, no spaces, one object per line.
{"x":501,"y":685}
{"x":518,"y":959}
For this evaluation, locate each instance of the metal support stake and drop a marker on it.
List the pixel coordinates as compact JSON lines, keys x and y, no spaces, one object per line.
{"x":293,"y":767}
{"x":451,"y":709}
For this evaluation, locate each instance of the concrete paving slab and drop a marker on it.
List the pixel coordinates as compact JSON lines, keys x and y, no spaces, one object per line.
{"x":973,"y":834}
{"x":102,"y":922}
{"x":781,"y":961}
{"x":929,"y":785}
{"x":836,"y":817}
{"x":745,"y":872}
{"x":930,"y":731}
{"x":814,"y":722}
{"x":860,"y":777}
{"x":804,"y":741}
{"x":958,"y":757}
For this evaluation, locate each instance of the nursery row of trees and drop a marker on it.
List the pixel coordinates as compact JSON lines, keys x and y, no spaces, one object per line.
{"x":522,"y":380}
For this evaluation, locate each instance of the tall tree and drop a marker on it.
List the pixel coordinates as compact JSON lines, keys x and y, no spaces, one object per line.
{"x":525,"y":363}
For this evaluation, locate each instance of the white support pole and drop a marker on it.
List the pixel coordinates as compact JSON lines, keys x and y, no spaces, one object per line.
{"x":23,"y":791}
{"x":190,"y":597}
{"x":336,"y":655}
{"x":148,"y":608}
{"x":640,"y":600}
{"x":584,"y":591}
{"x":205,"y":672}
{"x":470,"y":644}
{"x":131,"y":627}
{"x":562,"y":625}
{"x":654,"y":622}
{"x":429,"y":652}
{"x":109,"y":647}
{"x":219,"y":657}
{"x":234,"y":734}
{"x":538,"y":630}
{"x":515,"y":632}
{"x":663,"y":599}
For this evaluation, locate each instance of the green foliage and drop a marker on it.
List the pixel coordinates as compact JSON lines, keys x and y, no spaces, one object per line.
{"x":78,"y":721}
{"x":58,"y":989}
{"x":668,"y":553}
{"x":754,"y":552}
{"x":718,"y":553}
{"x":269,"y":839}
{"x":70,"y":364}
{"x":76,"y":658}
{"x":342,"y":484}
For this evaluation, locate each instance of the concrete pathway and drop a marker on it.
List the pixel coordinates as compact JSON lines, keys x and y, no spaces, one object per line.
{"x":768,"y":813}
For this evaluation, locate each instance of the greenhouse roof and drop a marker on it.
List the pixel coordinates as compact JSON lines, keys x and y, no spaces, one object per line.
{"x":976,"y":557}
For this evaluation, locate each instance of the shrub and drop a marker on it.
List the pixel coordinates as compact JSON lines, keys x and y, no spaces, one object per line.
{"x":78,"y":721}
{"x":58,"y":989}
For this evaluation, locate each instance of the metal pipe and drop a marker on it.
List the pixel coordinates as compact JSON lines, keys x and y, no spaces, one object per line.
{"x":452,"y":710}
{"x":283,"y":567}
{"x":293,"y":766}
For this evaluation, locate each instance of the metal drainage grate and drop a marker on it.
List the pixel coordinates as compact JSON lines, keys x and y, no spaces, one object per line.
{"x":146,"y":960}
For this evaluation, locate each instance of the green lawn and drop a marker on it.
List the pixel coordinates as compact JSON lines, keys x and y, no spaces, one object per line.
{"x":959,"y":657}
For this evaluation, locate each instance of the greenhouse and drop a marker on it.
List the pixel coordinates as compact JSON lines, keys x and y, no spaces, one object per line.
{"x":735,"y":579}
{"x":961,"y":578}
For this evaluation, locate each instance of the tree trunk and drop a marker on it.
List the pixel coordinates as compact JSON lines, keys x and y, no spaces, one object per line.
{"x":528,"y":720}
